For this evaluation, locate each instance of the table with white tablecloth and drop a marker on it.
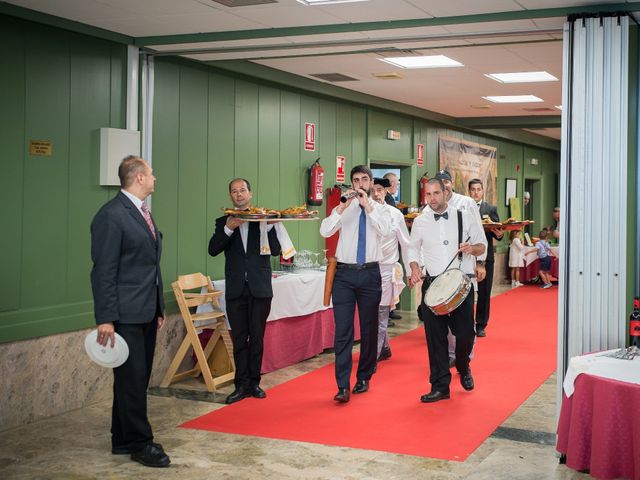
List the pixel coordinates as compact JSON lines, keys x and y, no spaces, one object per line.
{"x":299,"y":326}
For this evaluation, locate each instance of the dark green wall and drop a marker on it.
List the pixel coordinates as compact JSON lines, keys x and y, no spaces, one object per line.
{"x":59,"y":87}
{"x":208,"y":128}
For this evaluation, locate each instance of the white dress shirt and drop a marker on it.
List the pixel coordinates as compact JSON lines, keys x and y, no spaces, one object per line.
{"x":136,"y":201}
{"x":244,"y":233}
{"x":464,"y":203}
{"x":435,"y":242}
{"x":378,"y":226}
{"x":399,"y":236}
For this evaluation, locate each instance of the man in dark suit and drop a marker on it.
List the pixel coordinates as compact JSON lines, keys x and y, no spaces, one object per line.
{"x":248,"y":291}
{"x":476,"y":191}
{"x":127,"y":294}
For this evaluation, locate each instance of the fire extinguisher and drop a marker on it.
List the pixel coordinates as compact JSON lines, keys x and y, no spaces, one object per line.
{"x":315,"y":187}
{"x":423,"y":190}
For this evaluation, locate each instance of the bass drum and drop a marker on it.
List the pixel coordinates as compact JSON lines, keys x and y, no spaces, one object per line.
{"x":447,"y":291}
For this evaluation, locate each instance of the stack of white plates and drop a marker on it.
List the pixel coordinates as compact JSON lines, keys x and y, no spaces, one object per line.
{"x":106,"y":356}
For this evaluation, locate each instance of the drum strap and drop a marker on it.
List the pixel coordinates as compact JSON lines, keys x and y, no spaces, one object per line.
{"x":459,"y":233}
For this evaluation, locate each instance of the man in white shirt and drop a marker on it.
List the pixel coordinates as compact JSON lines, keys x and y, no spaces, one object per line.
{"x":434,"y":241}
{"x":464,"y":204}
{"x":362,"y":224}
{"x":399,"y":235}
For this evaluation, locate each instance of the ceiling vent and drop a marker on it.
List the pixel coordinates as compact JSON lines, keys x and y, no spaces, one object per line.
{"x":243,"y":3}
{"x":334,"y":77}
{"x":539,"y":109}
{"x":388,"y":76}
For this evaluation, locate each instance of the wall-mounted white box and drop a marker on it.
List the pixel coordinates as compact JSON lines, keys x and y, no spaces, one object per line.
{"x":115,"y":144}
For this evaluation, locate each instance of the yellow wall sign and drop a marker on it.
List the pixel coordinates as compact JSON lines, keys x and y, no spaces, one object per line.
{"x":42,"y":148}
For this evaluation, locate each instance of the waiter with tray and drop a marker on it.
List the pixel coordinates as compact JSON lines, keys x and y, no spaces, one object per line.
{"x":444,"y":237}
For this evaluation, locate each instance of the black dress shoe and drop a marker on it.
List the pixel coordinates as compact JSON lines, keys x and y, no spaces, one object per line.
{"x":395,"y":316}
{"x":361,"y":386}
{"x":151,"y":456}
{"x":342,"y":396}
{"x":466,"y":381}
{"x":257,"y":392}
{"x":237,"y":395}
{"x":126,"y":450}
{"x":385,"y":354}
{"x":433,"y":396}
{"x":391,"y":323}
{"x":480,"y":332}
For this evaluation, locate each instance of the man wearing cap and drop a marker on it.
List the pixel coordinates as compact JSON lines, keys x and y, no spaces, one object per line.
{"x":462,"y":203}
{"x":362,"y":224}
{"x":476,"y":191}
{"x":441,"y":233}
{"x":399,"y":235}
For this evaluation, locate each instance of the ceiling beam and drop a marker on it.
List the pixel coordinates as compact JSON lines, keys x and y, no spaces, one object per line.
{"x":529,"y":121}
{"x":383,"y":25}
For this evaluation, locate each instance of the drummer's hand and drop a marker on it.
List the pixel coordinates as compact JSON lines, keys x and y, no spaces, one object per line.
{"x":233,"y":222}
{"x":160,"y":323}
{"x":481,"y":272}
{"x":106,"y":332}
{"x":416,"y":276}
{"x":466,"y":247}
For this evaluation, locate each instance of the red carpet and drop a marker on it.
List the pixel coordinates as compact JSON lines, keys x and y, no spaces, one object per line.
{"x":516,"y":357}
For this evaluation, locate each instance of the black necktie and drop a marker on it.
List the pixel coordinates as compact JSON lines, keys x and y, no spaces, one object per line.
{"x":444,"y":215}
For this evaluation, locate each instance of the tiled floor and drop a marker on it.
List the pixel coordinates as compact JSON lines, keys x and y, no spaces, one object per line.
{"x":76,"y":445}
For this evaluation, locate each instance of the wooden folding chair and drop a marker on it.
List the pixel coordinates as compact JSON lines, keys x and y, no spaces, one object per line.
{"x":195,"y":323}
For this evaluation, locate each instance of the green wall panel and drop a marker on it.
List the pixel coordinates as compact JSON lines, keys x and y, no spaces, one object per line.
{"x":221,"y":158}
{"x":246,"y":135}
{"x":46,"y":183}
{"x":382,"y":150}
{"x":90,"y":105}
{"x":192,"y":168}
{"x":166,"y":144}
{"x":291,"y":135}
{"x":12,"y":140}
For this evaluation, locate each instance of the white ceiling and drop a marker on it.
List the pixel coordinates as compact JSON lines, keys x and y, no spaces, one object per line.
{"x":482,"y":47}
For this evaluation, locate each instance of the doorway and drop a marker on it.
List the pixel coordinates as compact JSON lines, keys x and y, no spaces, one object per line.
{"x":532,"y":209}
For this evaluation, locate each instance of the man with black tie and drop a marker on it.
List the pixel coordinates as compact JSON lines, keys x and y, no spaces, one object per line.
{"x":362,"y":224}
{"x":127,"y":295}
{"x":436,"y":237}
{"x":248,"y":291}
{"x":476,"y":191}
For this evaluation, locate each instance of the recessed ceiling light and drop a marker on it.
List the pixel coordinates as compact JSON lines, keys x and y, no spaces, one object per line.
{"x":559,"y":107}
{"x":513,"y":99}
{"x":522,"y":77}
{"x":429,"y":61}
{"x":327,"y":2}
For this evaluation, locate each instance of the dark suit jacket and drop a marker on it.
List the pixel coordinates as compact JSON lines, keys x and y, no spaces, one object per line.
{"x":388,"y":198}
{"x":240,"y":266}
{"x":492,"y":212}
{"x":126,"y":279}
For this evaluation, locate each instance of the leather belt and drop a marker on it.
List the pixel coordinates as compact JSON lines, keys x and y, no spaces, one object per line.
{"x":358,"y":266}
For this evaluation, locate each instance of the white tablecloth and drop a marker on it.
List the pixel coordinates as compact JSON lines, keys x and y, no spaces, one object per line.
{"x":531,"y":256}
{"x":599,"y":365}
{"x":294,"y":294}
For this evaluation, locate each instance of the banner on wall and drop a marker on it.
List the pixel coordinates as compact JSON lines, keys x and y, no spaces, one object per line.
{"x":466,"y":160}
{"x":310,"y":136}
{"x":340,"y":173}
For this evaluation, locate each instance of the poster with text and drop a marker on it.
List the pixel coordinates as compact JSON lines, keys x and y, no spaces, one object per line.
{"x":466,"y":160}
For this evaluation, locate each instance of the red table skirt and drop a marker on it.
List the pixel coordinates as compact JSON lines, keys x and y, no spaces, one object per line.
{"x":290,"y":340}
{"x":530,"y":272}
{"x":599,"y":428}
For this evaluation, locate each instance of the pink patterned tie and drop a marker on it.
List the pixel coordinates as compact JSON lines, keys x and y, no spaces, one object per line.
{"x":147,"y":218}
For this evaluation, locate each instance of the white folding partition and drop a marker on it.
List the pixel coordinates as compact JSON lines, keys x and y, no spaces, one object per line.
{"x":593,"y":195}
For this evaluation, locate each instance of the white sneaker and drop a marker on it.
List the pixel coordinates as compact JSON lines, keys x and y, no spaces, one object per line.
{"x":514,"y":284}
{"x":548,"y":285}
{"x":518,"y":284}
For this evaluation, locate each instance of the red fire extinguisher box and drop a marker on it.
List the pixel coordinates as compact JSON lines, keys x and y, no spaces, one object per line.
{"x":333,"y":199}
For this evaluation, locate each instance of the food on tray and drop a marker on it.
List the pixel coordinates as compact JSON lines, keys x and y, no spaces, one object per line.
{"x":298,"y":212}
{"x":412,"y":215}
{"x":253,"y":211}
{"x":401,"y":205}
{"x":488,"y":221}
